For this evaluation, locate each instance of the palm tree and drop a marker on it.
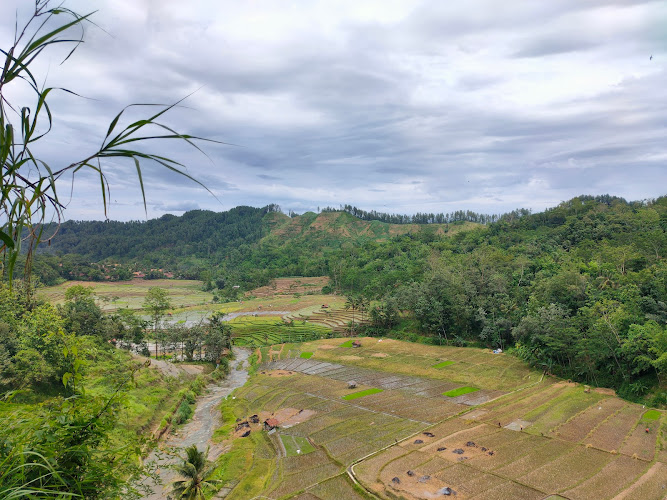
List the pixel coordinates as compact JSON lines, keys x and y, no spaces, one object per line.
{"x":196,"y":471}
{"x":352,"y":303}
{"x":364,"y":303}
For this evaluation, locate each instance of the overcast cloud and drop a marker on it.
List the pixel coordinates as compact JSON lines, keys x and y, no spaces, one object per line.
{"x":395,"y":106}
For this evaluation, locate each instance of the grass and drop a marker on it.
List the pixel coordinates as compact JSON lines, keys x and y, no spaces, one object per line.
{"x":296,"y":445}
{"x":306,"y":355}
{"x":651,"y":415}
{"x":460,"y":391}
{"x":443,"y":364}
{"x":361,"y":394}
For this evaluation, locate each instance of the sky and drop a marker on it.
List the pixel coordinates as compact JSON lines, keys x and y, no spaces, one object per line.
{"x":394,"y":106}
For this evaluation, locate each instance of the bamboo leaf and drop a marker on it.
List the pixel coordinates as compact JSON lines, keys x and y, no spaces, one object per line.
{"x":6,"y":239}
{"x":141,"y":183}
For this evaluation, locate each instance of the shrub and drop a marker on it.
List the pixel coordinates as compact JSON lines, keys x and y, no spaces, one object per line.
{"x":183,"y":413}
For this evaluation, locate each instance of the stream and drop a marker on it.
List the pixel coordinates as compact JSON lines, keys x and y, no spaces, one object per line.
{"x":200,"y":428}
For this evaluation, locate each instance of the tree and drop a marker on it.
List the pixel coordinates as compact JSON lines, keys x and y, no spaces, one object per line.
{"x":218,"y":338}
{"x":196,"y":472}
{"x":28,"y":183}
{"x":82,"y":315}
{"x":156,"y":303}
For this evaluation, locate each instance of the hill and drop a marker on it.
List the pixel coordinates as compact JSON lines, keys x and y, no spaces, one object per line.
{"x":249,"y":244}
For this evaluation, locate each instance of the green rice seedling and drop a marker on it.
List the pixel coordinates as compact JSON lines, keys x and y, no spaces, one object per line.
{"x":460,"y":391}
{"x":361,"y":394}
{"x":651,"y":415}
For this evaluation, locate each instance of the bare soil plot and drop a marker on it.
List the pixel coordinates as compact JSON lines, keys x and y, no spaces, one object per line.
{"x":579,"y":426}
{"x":611,"y":433}
{"x":369,"y":470}
{"x":613,"y":478}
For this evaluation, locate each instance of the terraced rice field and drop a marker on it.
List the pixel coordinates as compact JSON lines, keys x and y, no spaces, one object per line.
{"x":249,"y":331}
{"x":532,"y":438}
{"x":337,"y":320}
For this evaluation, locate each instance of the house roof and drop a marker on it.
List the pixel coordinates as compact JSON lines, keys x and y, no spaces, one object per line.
{"x":271,"y":422}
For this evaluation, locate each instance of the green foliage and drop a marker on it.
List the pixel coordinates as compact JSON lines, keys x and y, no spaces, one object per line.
{"x":196,"y":472}
{"x":183,"y":413}
{"x":62,"y":448}
{"x":651,"y":415}
{"x":361,"y":394}
{"x":156,"y":303}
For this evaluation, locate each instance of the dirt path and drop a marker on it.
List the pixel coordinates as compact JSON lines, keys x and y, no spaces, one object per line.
{"x":206,"y":419}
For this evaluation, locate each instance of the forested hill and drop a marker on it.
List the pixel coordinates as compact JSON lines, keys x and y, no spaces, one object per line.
{"x":199,"y":241}
{"x":197,"y":233}
{"x":207,"y":234}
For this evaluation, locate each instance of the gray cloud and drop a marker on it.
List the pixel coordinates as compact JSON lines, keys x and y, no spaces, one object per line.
{"x":399,"y":106}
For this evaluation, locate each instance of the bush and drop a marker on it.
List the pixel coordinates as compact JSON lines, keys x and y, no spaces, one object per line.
{"x":198,"y":385}
{"x":183,"y":413}
{"x":188,"y":395}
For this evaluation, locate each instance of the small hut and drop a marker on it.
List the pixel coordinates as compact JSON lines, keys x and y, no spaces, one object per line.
{"x":270,"y":424}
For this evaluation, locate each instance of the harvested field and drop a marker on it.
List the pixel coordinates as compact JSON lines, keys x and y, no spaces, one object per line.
{"x":611,"y":433}
{"x":640,"y":443}
{"x":650,"y":485}
{"x":579,"y":426}
{"x":535,"y":458}
{"x":613,"y":478}
{"x":567,"y":470}
{"x":290,"y":286}
{"x":337,"y":488}
{"x":431,"y":442}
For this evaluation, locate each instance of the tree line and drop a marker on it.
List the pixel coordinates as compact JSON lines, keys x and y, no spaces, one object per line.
{"x":454,"y":217}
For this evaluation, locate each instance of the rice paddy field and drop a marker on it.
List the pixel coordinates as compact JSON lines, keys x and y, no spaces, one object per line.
{"x":396,"y":420}
{"x":259,"y":318}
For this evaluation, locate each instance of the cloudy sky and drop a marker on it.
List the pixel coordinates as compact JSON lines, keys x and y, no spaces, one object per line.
{"x":398,"y":106}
